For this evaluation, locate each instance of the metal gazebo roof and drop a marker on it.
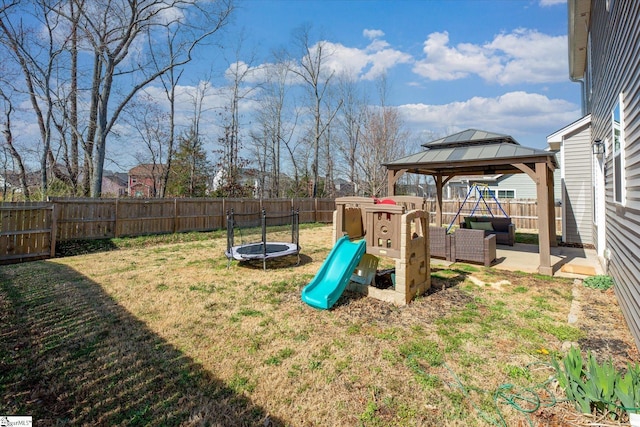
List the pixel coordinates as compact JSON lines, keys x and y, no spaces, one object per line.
{"x":472,"y":152}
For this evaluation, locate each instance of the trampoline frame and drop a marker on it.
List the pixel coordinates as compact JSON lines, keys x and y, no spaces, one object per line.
{"x":235,"y":251}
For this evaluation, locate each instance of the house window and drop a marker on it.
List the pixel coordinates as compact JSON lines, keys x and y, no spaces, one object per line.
{"x":619,"y":181}
{"x":487,"y":193}
{"x":506,"y":194}
{"x":500,"y":194}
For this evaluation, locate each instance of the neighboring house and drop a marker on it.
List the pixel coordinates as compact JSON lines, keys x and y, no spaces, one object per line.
{"x":145,"y":180}
{"x":573,"y":144}
{"x":513,"y":186}
{"x":249,"y":178}
{"x":603,"y":56}
{"x":344,"y":187}
{"x":10,"y":183}
{"x":503,"y":186}
{"x":115,"y":184}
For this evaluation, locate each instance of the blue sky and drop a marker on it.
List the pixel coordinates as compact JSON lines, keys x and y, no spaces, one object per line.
{"x":495,"y":65}
{"x":498,"y":65}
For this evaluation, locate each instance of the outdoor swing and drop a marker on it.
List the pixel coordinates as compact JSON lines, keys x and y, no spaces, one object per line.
{"x":481,"y":190}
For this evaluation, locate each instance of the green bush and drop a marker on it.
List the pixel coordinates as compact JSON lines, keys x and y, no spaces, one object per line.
{"x":601,"y":282}
{"x":599,"y":388}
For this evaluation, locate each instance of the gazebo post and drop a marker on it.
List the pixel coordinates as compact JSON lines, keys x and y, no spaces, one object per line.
{"x":552,"y":209}
{"x":542,"y":190}
{"x":438,"y":180}
{"x":392,"y":178}
{"x":391,"y":182}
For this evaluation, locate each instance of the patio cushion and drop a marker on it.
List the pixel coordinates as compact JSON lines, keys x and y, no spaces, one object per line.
{"x":503,"y":228}
{"x":487,"y":226}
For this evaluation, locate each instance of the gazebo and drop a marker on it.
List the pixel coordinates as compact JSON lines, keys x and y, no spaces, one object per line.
{"x":476,"y":152}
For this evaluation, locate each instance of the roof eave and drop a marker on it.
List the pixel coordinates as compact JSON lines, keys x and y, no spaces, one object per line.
{"x":579,"y":16}
{"x":555,"y":139}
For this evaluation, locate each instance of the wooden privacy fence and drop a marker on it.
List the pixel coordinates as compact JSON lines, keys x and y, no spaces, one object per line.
{"x":27,"y":232}
{"x":30,"y":230}
{"x":523,"y":213}
{"x":107,"y":218}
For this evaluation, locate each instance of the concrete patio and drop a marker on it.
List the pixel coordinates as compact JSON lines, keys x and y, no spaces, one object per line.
{"x":565,"y":261}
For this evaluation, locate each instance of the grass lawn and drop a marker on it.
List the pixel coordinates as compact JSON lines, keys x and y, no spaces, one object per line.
{"x":160,"y":332}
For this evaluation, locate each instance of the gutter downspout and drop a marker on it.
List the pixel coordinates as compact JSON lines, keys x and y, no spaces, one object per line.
{"x":583,"y":95}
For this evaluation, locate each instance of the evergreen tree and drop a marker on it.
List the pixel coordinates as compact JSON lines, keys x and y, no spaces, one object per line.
{"x":190,"y":169}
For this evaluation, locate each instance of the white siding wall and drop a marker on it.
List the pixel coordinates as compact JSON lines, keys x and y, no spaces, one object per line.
{"x":578,"y":188}
{"x":524,"y":186}
{"x":520,"y":182}
{"x":616,"y":69}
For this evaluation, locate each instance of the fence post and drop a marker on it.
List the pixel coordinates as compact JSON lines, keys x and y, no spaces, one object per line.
{"x":116,"y":232}
{"x":175,"y":215}
{"x":54,"y":229}
{"x":315,"y":210}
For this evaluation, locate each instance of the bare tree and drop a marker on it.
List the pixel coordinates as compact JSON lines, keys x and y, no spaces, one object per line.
{"x":383,"y":140}
{"x":111,"y":33}
{"x":351,"y":122}
{"x":10,"y":146}
{"x":110,"y":30}
{"x":276,"y":124}
{"x":66,"y":117}
{"x":169,"y":82}
{"x":149,"y":123}
{"x":37,"y":58}
{"x":237,"y":91}
{"x":329,"y":146}
{"x":311,"y":70}
{"x":5,"y":157}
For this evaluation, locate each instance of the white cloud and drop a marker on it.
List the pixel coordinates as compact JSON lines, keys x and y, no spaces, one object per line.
{"x":522,"y":56}
{"x":372,"y":34}
{"x":167,"y":14}
{"x":530,"y":56}
{"x":367,"y":63}
{"x":519,"y":114}
{"x":446,"y":63}
{"x":545,"y":3}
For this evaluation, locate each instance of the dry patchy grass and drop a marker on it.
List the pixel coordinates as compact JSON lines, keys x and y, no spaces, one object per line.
{"x":166,"y":335}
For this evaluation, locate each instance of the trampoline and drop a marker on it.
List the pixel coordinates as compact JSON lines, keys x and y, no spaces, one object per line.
{"x":262,"y":250}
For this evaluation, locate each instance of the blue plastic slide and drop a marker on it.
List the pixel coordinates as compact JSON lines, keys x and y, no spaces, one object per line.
{"x":334,"y":274}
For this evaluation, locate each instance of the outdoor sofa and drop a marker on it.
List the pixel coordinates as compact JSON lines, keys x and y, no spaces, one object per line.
{"x":501,"y":227}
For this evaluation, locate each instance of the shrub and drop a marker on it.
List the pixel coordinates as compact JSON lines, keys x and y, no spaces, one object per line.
{"x":601,"y":282}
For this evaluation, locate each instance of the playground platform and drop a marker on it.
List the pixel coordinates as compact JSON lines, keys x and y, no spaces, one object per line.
{"x":566,"y":261}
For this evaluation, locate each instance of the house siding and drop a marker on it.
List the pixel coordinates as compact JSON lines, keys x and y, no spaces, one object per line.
{"x":521,"y":183}
{"x":615,"y":64}
{"x":577,"y":188}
